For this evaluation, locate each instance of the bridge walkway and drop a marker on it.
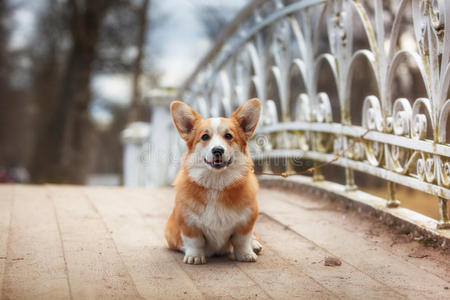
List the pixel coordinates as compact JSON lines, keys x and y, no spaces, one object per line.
{"x":68,"y":242}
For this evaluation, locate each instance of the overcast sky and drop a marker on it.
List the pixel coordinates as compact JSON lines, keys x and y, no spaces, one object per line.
{"x":182,"y":37}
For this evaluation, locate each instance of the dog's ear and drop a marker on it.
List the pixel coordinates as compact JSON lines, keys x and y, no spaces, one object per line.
{"x":247,"y":115}
{"x":184,"y":118}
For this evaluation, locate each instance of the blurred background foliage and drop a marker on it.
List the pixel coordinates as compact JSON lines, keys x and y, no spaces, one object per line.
{"x":53,"y":125}
{"x":46,"y":92}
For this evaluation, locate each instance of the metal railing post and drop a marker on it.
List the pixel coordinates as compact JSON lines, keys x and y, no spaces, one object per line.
{"x":392,"y":200}
{"x":444,"y":222}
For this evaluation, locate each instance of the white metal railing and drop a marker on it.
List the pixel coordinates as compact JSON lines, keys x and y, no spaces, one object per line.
{"x":273,"y":48}
{"x":135,"y":139}
{"x":149,"y":157}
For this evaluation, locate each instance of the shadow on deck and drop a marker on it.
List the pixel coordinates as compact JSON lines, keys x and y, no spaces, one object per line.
{"x":92,"y":242}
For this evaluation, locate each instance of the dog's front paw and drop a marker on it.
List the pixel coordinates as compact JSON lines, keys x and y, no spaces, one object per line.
{"x":249,"y":256}
{"x":194,"y":259}
{"x":256,"y":246}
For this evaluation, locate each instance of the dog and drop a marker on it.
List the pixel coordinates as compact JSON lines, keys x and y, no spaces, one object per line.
{"x":215,"y":205}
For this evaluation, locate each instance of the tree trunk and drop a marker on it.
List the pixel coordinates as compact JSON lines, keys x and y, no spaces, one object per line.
{"x":69,"y":129}
{"x":43,"y":166}
{"x":76,"y":134}
{"x":136,"y":91}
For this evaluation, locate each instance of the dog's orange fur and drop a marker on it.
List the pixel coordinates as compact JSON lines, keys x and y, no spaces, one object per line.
{"x":191,"y":196}
{"x":241,"y":193}
{"x":188,"y":192}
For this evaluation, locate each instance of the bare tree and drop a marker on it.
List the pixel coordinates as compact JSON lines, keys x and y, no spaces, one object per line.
{"x":62,"y":145}
{"x":137,"y":72}
{"x":75,"y":134}
{"x":14,"y":136}
{"x":4,"y":82}
{"x":76,"y":40}
{"x":48,"y":54}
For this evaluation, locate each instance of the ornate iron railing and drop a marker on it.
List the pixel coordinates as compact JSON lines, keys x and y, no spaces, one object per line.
{"x":277,"y":51}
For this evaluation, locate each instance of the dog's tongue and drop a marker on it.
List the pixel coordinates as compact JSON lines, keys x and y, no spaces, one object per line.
{"x":217,"y":161}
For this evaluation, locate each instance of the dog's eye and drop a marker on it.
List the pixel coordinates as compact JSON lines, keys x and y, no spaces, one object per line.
{"x":205,"y":137}
{"x":228,"y":136}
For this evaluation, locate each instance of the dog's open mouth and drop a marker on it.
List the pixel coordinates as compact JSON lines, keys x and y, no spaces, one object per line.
{"x":218,"y":163}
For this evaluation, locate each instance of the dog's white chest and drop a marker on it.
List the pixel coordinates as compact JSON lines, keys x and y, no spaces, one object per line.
{"x":217,"y":221}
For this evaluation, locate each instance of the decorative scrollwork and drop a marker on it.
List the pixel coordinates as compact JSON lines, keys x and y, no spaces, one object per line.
{"x":408,"y":138}
{"x":402,"y":117}
{"x":426,"y":168}
{"x":374,"y":153}
{"x":420,"y":120}
{"x":372,"y":116}
{"x":419,"y":128}
{"x":445,"y":173}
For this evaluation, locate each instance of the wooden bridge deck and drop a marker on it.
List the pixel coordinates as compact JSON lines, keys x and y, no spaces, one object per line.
{"x":90,"y":243}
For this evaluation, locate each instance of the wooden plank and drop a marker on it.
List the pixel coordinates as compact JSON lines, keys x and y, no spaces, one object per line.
{"x":153,"y":268}
{"x":346,"y":281}
{"x":220,"y":277}
{"x":35,"y":266}
{"x":94,"y":266}
{"x":6,"y":201}
{"x":376,"y":233}
{"x":283,"y":280}
{"x":114,"y":248}
{"x":389,"y":238}
{"x":368,"y":257}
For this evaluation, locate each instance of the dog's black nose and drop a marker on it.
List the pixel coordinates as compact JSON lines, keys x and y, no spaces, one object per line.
{"x":217,"y":151}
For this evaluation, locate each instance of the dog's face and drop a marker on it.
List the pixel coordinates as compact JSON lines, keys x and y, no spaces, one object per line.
{"x":216,"y":145}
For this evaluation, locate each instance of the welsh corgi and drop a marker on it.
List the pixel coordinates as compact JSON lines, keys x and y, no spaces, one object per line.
{"x":215,"y":205}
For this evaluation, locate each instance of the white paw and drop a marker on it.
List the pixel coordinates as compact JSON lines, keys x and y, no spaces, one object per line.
{"x":256,"y":246}
{"x":249,"y":256}
{"x":194,"y":260}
